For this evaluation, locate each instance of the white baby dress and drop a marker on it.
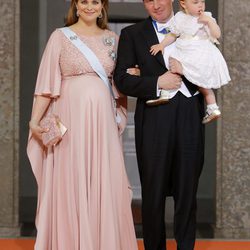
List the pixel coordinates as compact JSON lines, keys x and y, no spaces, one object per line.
{"x":202,"y":62}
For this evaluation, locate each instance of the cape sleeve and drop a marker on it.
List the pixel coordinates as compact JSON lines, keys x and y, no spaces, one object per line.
{"x":49,"y":74}
{"x":48,"y":83}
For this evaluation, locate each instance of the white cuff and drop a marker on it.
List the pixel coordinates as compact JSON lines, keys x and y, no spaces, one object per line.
{"x":158,"y":91}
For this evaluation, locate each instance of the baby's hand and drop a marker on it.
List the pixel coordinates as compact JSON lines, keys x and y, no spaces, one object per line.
{"x":203,"y":18}
{"x":156,"y":48}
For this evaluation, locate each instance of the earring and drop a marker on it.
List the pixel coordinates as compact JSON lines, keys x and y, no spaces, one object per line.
{"x":77,"y":13}
{"x":100,"y":16}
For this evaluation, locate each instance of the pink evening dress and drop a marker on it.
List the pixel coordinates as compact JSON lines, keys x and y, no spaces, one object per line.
{"x":84,"y":197}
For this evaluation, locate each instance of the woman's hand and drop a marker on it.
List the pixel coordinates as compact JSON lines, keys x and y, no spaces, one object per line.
{"x":134,"y":71}
{"x":40,"y":106}
{"x":36,"y":130}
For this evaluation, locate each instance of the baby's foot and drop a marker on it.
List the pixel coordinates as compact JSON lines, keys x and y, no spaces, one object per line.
{"x":175,"y":66}
{"x":164,"y":98}
{"x":212,"y":113}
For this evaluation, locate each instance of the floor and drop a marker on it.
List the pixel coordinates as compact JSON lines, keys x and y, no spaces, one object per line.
{"x":205,"y":232}
{"x":28,"y":244}
{"x":204,"y":225}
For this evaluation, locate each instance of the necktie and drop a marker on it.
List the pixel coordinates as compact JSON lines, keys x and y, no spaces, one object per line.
{"x":161,"y":27}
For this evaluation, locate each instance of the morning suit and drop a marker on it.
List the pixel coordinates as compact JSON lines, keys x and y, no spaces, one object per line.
{"x":169,"y":139}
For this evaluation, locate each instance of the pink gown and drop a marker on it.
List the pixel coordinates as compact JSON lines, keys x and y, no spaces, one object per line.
{"x":84,"y":198}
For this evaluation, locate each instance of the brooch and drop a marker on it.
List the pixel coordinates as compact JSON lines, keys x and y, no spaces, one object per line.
{"x":110,"y":41}
{"x":112,"y":54}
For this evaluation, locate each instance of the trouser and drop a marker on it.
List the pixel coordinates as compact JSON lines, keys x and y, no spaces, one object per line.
{"x":172,"y":159}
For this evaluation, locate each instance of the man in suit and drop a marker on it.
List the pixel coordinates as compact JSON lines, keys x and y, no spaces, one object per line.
{"x":169,"y":137}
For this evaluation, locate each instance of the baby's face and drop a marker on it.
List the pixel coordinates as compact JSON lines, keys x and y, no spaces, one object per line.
{"x":193,"y":7}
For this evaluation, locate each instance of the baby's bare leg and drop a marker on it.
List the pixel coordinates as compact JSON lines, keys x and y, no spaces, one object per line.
{"x":175,"y":66}
{"x":208,"y":95}
{"x":212,"y":111}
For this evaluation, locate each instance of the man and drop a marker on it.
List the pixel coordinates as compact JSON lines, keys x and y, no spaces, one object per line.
{"x":169,"y":137}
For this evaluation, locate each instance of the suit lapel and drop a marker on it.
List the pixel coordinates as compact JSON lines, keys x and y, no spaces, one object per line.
{"x":151,"y":38}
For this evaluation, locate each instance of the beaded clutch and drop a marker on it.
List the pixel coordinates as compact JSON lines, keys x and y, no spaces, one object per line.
{"x":55,"y":132}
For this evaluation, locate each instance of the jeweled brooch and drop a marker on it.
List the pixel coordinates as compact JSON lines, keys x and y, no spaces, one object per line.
{"x":112,"y":54}
{"x":110,"y":41}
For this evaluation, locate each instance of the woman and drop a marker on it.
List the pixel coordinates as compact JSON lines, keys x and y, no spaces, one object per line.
{"x":83,"y":192}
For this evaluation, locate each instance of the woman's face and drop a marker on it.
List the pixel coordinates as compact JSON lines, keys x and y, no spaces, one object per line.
{"x":193,"y":7}
{"x":89,"y":10}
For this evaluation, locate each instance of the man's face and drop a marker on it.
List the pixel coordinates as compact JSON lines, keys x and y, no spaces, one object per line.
{"x":159,"y":10}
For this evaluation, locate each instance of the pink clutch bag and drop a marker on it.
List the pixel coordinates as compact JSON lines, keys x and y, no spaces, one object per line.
{"x":55,"y":132}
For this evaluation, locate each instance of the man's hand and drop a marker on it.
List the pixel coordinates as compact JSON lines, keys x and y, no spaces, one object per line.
{"x":169,"y":81}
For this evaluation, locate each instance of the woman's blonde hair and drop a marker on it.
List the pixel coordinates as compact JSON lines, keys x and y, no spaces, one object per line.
{"x":72,"y":17}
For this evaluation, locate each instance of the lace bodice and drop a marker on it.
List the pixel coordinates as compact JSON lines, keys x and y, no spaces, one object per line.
{"x":72,"y":62}
{"x":61,"y":59}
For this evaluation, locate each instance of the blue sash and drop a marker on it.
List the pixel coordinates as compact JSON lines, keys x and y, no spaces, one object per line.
{"x":93,"y":61}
